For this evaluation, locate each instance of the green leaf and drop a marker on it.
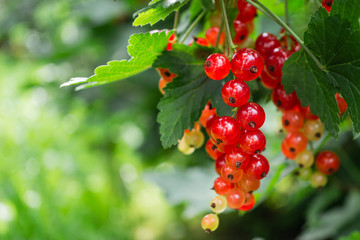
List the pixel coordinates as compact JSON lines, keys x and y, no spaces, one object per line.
{"x":335,"y":43}
{"x":158,"y":10}
{"x":208,"y":4}
{"x":187,"y":95}
{"x":347,"y":10}
{"x":143,"y":49}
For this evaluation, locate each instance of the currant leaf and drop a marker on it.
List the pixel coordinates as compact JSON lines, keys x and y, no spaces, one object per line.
{"x":208,"y":4}
{"x":143,"y":49}
{"x":335,"y":43}
{"x":157,"y":10}
{"x":187,"y":95}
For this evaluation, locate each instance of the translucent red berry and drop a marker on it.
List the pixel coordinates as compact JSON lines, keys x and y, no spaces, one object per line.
{"x":269,"y":81}
{"x":286,"y":151}
{"x":282,"y":100}
{"x":221,"y":186}
{"x":225,"y":130}
{"x":217,"y":66}
{"x":250,"y":116}
{"x":235,"y":198}
{"x":247,"y":64}
{"x":252,"y":141}
{"x":200,"y":41}
{"x":207,"y":113}
{"x":212,"y":150}
{"x":231,"y":175}
{"x":249,"y":185}
{"x":266,"y":43}
{"x":241,"y":30}
{"x":211,"y":36}
{"x":247,"y":12}
{"x":327,"y":162}
{"x":236,"y":158}
{"x":307,"y":112}
{"x":257,"y":168}
{"x":327,"y":4}
{"x":341,"y":103}
{"x":235,"y":93}
{"x":292,"y":120}
{"x":166,"y":74}
{"x":219,"y":163}
{"x":295,"y":142}
{"x":249,"y":202}
{"x":275,"y":62}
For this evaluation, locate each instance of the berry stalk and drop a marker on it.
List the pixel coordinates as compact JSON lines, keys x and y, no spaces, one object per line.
{"x":227,"y":28}
{"x":192,"y":26}
{"x":272,"y":15}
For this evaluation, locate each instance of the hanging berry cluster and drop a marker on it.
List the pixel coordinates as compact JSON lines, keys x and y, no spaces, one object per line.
{"x":235,"y":142}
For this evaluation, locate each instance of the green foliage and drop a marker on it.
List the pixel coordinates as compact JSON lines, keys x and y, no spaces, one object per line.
{"x":334,"y":42}
{"x":187,"y":94}
{"x":158,"y":10}
{"x":143,"y":49}
{"x":208,"y":4}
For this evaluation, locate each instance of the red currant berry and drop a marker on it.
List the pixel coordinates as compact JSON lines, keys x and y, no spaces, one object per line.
{"x":327,"y":4}
{"x":235,"y":93}
{"x":211,"y":36}
{"x":286,"y":151}
{"x":162,"y":85}
{"x":327,"y":162}
{"x":294,"y":45}
{"x":241,"y":30}
{"x":231,"y":175}
{"x":269,"y":81}
{"x":225,"y":130}
{"x":249,"y":185}
{"x":249,"y":202}
{"x":235,"y":198}
{"x":292,"y":120}
{"x":171,"y":41}
{"x":223,"y":147}
{"x":258,"y":167}
{"x":221,"y":186}
{"x":275,"y":62}
{"x":212,"y":150}
{"x":219,"y":163}
{"x":247,"y":12}
{"x":166,"y":74}
{"x":266,"y":43}
{"x":217,"y":66}
{"x":250,"y":116}
{"x":200,"y":41}
{"x":247,"y":64}
{"x":341,"y":103}
{"x":236,"y":158}
{"x":295,"y":142}
{"x":282,"y":100}
{"x":252,"y":141}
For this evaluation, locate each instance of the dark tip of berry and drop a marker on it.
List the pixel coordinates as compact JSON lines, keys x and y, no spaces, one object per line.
{"x":252,"y":124}
{"x":318,"y":135}
{"x":231,"y":100}
{"x":331,"y":170}
{"x":218,"y":141}
{"x":319,"y":188}
{"x":281,"y":131}
{"x":213,"y":205}
{"x":230,"y":176}
{"x":238,"y":164}
{"x":207,"y":230}
{"x":292,"y":149}
{"x":250,"y":192}
{"x":212,"y":188}
{"x":167,"y":73}
{"x":263,"y":174}
{"x":213,"y":147}
{"x":286,"y":122}
{"x":296,"y":173}
{"x":254,"y":69}
{"x":195,"y":39}
{"x":301,"y":166}
{"x":257,"y":151}
{"x":271,"y":68}
{"x":242,"y":37}
{"x":278,"y":103}
{"x":329,"y":3}
{"x":208,"y":63}
{"x":210,"y":106}
{"x":256,"y":14}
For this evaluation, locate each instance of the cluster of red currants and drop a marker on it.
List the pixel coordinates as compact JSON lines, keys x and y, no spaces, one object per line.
{"x":299,"y":123}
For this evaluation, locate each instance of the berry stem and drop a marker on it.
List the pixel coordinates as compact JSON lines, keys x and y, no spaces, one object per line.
{"x":274,"y":17}
{"x":235,"y":111}
{"x":219,"y":34}
{"x":176,"y":20}
{"x":287,"y":22}
{"x":227,"y":28}
{"x":192,"y":26}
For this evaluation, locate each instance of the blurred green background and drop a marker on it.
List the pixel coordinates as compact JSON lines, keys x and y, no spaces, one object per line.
{"x":89,"y":164}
